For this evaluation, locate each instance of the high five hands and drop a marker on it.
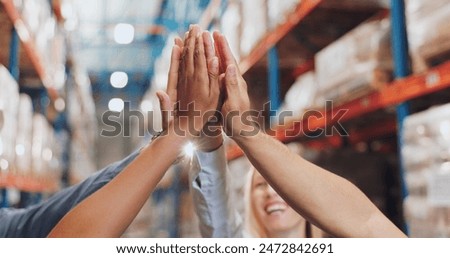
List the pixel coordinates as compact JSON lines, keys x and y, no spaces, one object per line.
{"x":205,"y":89}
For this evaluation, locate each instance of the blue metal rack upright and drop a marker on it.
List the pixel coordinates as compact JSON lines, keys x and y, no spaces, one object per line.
{"x":274,"y":79}
{"x":402,"y":69}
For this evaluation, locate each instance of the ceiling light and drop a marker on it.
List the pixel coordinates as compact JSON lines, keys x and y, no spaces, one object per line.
{"x":124,"y":33}
{"x":116,"y":104}
{"x":118,"y":79}
{"x":60,"y":105}
{"x":20,"y":149}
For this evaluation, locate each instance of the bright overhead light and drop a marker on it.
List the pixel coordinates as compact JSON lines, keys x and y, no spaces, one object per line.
{"x":118,"y":79}
{"x":20,"y":149}
{"x":60,"y":105}
{"x":124,"y":33}
{"x":4,"y":164}
{"x":116,"y":104}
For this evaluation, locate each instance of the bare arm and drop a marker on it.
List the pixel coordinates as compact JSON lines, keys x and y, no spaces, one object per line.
{"x":109,"y":211}
{"x":327,"y":200}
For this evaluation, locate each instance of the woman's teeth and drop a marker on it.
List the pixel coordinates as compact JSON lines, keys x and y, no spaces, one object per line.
{"x":275,"y":207}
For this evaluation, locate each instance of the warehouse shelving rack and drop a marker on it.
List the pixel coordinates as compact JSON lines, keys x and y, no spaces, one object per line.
{"x":395,"y":93}
{"x":29,"y":47}
{"x":406,"y":87}
{"x":20,"y":33}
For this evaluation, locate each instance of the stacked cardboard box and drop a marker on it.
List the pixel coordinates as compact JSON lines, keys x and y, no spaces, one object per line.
{"x":9,"y":100}
{"x":355,"y":64}
{"x":428,"y":32}
{"x":24,"y":136}
{"x":299,"y":98}
{"x":83,"y":123}
{"x":278,"y":11}
{"x":230,"y":26}
{"x":426,"y":156}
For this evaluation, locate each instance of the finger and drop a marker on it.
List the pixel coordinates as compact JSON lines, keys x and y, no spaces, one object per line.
{"x":166,"y":107}
{"x":179,"y":42}
{"x":223,"y":93}
{"x":184,"y":42}
{"x":208,"y":44}
{"x":222,"y":66}
{"x":231,"y":81}
{"x":186,"y":34}
{"x":226,"y":53}
{"x":190,"y":48}
{"x":213,"y":74}
{"x":172,"y":80}
{"x":199,"y":57}
{"x":164,"y":101}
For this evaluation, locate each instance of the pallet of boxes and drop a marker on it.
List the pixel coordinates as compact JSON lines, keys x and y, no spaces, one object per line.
{"x":428,"y":24}
{"x":356,"y":64}
{"x":426,"y":159}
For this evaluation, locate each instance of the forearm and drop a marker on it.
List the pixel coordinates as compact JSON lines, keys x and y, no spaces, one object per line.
{"x":329,"y":201}
{"x":38,"y":220}
{"x":109,"y":211}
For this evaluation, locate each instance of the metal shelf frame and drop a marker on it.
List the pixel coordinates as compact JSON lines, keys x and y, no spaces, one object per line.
{"x":397,"y":93}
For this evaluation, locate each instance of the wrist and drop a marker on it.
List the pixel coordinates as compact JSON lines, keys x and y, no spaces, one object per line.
{"x":244,"y":132}
{"x":208,"y":143}
{"x":247,"y":137}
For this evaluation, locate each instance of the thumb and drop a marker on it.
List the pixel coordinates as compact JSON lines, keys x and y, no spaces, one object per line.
{"x":166,"y":108}
{"x":164,"y":101}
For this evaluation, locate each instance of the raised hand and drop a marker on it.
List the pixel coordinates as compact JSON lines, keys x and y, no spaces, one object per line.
{"x":236,"y":104}
{"x":168,"y":99}
{"x":198,"y":89}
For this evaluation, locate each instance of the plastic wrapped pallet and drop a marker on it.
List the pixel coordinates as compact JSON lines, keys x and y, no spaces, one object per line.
{"x":34,"y":13}
{"x":426,"y":155}
{"x":230,"y":27}
{"x":39,"y":144}
{"x":428,"y":31}
{"x":300,"y":97}
{"x":83,"y":123}
{"x":82,"y":164}
{"x":254,"y":24}
{"x":9,"y":99}
{"x":278,"y":11}
{"x":425,"y":220}
{"x":24,"y":135}
{"x":49,"y":40}
{"x":355,"y":64}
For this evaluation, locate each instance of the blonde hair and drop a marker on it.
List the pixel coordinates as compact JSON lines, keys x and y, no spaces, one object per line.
{"x":253,"y":225}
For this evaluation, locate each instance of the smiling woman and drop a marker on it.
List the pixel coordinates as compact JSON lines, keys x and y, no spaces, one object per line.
{"x":268,"y":215}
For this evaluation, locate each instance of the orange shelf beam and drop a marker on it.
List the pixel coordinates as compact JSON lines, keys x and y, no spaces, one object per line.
{"x":399,"y":91}
{"x":302,"y":10}
{"x":307,"y":66}
{"x":28,"y":184}
{"x":29,"y":47}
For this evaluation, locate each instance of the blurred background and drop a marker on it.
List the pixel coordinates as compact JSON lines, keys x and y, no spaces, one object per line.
{"x":64,"y":64}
